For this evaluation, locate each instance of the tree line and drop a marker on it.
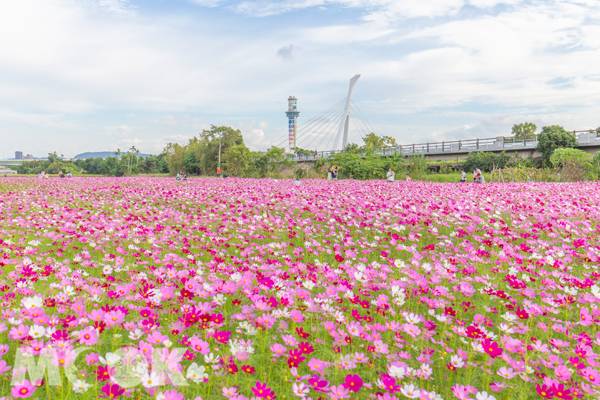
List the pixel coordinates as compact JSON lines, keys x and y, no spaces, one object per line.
{"x":221,"y":150}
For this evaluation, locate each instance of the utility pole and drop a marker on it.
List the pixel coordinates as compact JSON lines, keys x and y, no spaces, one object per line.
{"x":219,"y":172}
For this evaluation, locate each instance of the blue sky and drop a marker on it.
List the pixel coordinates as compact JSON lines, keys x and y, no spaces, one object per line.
{"x":84,"y":75}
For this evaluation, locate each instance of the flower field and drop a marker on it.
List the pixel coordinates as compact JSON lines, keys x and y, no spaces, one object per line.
{"x":260,"y":289}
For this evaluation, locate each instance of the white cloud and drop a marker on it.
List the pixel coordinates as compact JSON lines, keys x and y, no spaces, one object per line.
{"x":79,"y":69}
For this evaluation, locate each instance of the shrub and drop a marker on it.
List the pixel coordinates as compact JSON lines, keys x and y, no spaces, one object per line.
{"x":523,"y":174}
{"x":417,"y":167}
{"x":487,"y":161}
{"x":574,"y":164}
{"x":554,"y":137}
{"x":596,"y":164}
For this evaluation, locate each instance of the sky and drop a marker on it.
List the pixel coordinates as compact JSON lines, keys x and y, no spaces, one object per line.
{"x":95,"y":75}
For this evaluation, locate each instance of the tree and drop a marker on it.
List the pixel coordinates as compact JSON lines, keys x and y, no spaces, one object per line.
{"x":265,"y":164}
{"x":574,"y":164}
{"x":553,"y":137}
{"x":487,"y":161}
{"x":236,"y":160}
{"x":596,"y":164}
{"x":207,"y":148}
{"x":175,"y":157}
{"x":373,"y":142}
{"x":524,"y":131}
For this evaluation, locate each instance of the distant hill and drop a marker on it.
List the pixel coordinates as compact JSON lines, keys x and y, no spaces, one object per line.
{"x":101,"y":154}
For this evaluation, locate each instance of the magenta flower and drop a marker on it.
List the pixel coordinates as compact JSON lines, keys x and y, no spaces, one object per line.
{"x":353,"y":383}
{"x":262,"y":391}
{"x":23,"y":390}
{"x":491,"y":348}
{"x":112,"y":390}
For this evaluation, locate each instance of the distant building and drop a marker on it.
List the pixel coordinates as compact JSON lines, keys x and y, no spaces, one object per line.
{"x":28,"y":157}
{"x":6,"y":171}
{"x":18,"y":155}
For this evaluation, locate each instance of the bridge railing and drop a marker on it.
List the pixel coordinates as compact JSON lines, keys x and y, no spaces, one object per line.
{"x":500,"y":143}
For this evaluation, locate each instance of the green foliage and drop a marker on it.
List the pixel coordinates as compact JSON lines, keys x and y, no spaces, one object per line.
{"x":417,"y":166}
{"x":303,"y":152}
{"x":128,"y":163}
{"x":523,"y":174}
{"x":236,"y":160}
{"x":552,"y":138}
{"x":299,"y":173}
{"x":175,"y":155}
{"x":352,"y":148}
{"x":353,"y":165}
{"x":524,"y":131}
{"x":373,"y":142}
{"x":269,"y":164}
{"x":487,"y":161}
{"x":596,"y":164}
{"x":574,"y":164}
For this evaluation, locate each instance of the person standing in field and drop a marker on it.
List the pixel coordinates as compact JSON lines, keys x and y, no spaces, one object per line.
{"x":391,"y":175}
{"x":463,"y":176}
{"x":477,"y":176}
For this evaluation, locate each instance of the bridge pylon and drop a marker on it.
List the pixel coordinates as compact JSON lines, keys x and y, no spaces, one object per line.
{"x":345,"y":122}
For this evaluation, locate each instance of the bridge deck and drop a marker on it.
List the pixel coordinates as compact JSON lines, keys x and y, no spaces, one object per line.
{"x":457,"y":147}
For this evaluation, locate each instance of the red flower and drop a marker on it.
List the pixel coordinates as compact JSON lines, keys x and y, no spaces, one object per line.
{"x":112,"y":390}
{"x":389,"y":383}
{"x":521,"y":313}
{"x":295,"y":358}
{"x":300,"y":331}
{"x":560,"y":392}
{"x":544,"y":391}
{"x":491,"y":348}
{"x":249,"y":369}
{"x":474,"y":332}
{"x":306,"y":348}
{"x":232,"y":368}
{"x":102,"y":373}
{"x":262,"y":391}
{"x":222,"y":336}
{"x":353,"y":383}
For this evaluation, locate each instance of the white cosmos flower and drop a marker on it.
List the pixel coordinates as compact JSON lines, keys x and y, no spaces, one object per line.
{"x":410,"y":391}
{"x":135,"y":334}
{"x":151,"y":380}
{"x":37,"y":331}
{"x":300,"y":389}
{"x":484,"y":396}
{"x":412,"y":318}
{"x":398,"y":372}
{"x":196,"y":373}
{"x":69,"y":291}
{"x":457,"y":361}
{"x":80,"y":386}
{"x":308,"y":284}
{"x":596,"y":291}
{"x":31,"y":302}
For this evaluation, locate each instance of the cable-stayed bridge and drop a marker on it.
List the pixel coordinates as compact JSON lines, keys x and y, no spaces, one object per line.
{"x":330,"y":132}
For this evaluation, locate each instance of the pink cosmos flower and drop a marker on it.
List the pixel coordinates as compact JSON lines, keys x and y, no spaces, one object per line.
{"x":88,"y":336}
{"x":491,"y":348}
{"x":353,"y":383}
{"x":170,"y":395}
{"x":23,"y":390}
{"x":338,"y":392}
{"x":262,"y":391}
{"x":318,"y":366}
